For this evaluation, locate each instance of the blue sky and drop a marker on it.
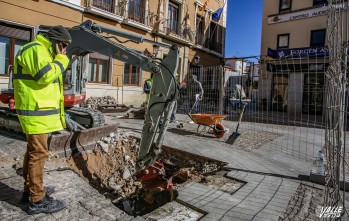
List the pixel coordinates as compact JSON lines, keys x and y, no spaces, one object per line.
{"x":244,"y":25}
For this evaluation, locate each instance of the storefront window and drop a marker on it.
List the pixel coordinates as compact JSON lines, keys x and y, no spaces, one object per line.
{"x":12,"y":38}
{"x":280,"y":92}
{"x":313,"y":93}
{"x":4,"y":54}
{"x":98,"y":70}
{"x":131,"y":75}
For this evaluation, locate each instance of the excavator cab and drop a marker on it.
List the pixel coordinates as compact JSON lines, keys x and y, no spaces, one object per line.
{"x":75,"y":80}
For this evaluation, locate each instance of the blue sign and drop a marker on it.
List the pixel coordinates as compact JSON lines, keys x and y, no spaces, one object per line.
{"x":298,"y":52}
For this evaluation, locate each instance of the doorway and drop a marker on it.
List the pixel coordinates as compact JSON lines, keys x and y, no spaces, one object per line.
{"x":313,"y":93}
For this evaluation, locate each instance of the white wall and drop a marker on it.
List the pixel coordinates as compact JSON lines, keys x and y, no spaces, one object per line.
{"x":129,"y":95}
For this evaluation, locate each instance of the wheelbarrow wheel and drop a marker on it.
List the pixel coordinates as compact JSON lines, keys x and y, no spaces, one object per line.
{"x":219,"y":131}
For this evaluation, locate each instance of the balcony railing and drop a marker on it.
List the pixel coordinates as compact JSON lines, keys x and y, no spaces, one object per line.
{"x":177,"y":29}
{"x":214,"y":45}
{"x":137,"y":13}
{"x":110,"y":6}
{"x":208,"y":43}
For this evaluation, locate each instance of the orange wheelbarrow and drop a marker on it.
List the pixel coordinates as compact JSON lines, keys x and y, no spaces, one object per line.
{"x":213,"y":121}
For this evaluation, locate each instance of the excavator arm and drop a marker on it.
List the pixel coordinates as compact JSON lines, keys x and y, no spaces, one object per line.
{"x":89,"y":37}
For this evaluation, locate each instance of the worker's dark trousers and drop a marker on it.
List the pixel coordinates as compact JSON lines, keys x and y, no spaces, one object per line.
{"x":33,"y":165}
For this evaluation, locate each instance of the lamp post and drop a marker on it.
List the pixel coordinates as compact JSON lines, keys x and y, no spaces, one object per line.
{"x":155,"y":50}
{"x":197,"y":60}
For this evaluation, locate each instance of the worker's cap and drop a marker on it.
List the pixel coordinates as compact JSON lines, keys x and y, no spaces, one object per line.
{"x":59,"y":33}
{"x":177,"y":75}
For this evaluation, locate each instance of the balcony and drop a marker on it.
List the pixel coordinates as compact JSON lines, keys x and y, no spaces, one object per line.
{"x":177,"y":30}
{"x":109,"y":6}
{"x":208,"y":43}
{"x":214,"y":45}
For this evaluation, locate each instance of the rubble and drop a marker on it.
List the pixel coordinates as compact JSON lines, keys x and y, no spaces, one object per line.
{"x":105,"y":104}
{"x":95,"y":102}
{"x":109,"y":165}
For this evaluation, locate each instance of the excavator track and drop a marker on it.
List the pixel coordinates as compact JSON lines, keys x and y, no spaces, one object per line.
{"x":87,"y":117}
{"x":64,"y":143}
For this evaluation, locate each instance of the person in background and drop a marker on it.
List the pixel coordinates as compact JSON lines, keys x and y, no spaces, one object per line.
{"x":174,"y":111}
{"x":147,"y":88}
{"x":38,"y":93}
{"x":196,"y":93}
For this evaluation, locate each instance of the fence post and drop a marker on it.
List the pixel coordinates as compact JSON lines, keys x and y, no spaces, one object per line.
{"x":221,"y":89}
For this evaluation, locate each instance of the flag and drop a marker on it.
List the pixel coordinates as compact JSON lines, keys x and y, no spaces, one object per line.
{"x":202,"y":8}
{"x":216,"y":16}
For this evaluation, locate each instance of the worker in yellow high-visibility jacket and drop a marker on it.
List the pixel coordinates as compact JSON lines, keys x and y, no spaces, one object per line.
{"x":38,"y":93}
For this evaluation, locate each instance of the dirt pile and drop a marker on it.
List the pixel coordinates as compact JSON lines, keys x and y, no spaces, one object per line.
{"x":107,"y":166}
{"x":183,"y":171}
{"x":95,"y":102}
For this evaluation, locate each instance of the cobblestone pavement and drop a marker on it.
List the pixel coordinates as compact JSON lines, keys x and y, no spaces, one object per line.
{"x":264,"y":196}
{"x":83,"y":201}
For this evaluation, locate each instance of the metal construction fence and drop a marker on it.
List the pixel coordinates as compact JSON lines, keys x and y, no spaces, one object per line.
{"x":298,"y":102}
{"x":336,"y":146}
{"x":282,"y":97}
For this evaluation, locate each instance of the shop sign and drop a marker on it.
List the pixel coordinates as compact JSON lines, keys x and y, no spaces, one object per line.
{"x":313,"y":12}
{"x":298,"y":52}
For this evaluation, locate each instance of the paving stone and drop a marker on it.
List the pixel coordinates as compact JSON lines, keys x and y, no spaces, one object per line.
{"x":265,"y":216}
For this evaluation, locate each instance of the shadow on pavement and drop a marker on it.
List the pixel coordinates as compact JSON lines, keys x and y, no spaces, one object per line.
{"x":187,"y":133}
{"x":12,"y":196}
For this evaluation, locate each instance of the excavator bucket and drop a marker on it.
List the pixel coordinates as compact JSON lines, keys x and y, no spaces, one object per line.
{"x":67,"y":143}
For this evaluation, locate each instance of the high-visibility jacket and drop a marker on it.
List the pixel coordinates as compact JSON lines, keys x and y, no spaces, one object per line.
{"x":38,"y":87}
{"x":147,"y":88}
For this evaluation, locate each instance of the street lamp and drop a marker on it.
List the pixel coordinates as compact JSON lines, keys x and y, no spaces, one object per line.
{"x":156,"y":50}
{"x":197,"y":60}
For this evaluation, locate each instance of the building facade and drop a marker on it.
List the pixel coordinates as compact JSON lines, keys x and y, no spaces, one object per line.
{"x":187,"y":23}
{"x":295,"y":56}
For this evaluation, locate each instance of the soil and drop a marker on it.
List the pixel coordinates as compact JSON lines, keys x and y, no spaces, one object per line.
{"x":104,"y":166}
{"x":108,"y":168}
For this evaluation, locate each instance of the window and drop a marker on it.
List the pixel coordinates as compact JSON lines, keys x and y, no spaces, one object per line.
{"x":98,"y":70}
{"x":12,"y":38}
{"x":213,"y":42}
{"x":285,"y":5}
{"x":199,"y":30}
{"x":131,"y":75}
{"x":317,"y":38}
{"x":137,"y":10}
{"x":106,"y":5}
{"x":280,"y":92}
{"x":173,"y":16}
{"x":319,"y":2}
{"x":283,"y":41}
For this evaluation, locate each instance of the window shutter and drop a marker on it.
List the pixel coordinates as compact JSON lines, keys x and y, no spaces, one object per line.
{"x":18,"y":33}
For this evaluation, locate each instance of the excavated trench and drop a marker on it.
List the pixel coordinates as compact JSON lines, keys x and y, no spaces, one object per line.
{"x":107,"y":168}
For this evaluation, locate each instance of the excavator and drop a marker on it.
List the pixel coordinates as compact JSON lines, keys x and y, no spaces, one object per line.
{"x":86,"y":126}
